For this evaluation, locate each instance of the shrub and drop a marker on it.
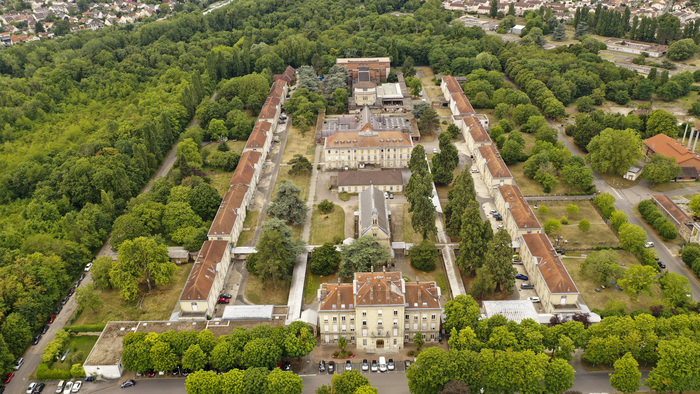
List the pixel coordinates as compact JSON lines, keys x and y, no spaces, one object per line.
{"x":690,"y":254}
{"x":552,"y":226}
{"x":543,"y":209}
{"x":572,"y":209}
{"x":344,"y":196}
{"x":564,"y":220}
{"x":44,"y":373}
{"x":668,"y":231}
{"x":85,"y":328}
{"x":55,"y":347}
{"x":77,"y":371}
{"x":424,"y":256}
{"x":326,"y":206}
{"x":584,"y":225}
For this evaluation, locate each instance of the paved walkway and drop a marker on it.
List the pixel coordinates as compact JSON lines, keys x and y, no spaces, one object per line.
{"x":296,"y":289}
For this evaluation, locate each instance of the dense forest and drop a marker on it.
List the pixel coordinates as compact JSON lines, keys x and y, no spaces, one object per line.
{"x":85,"y":120}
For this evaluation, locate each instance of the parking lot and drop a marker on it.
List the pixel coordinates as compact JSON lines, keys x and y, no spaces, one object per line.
{"x":340,"y":366}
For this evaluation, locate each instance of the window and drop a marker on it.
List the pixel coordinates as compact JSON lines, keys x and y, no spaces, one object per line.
{"x":364,"y":332}
{"x":364,"y":342}
{"x":335,"y":318}
{"x":396,"y":322}
{"x":352,"y":338}
{"x":432,"y":326}
{"x":326,"y":328}
{"x":335,"y":328}
{"x":379,"y":331}
{"x":407,"y":326}
{"x":364,"y":313}
{"x":396,"y":332}
{"x":432,"y":317}
{"x":194,"y":306}
{"x":405,"y":338}
{"x":344,"y":327}
{"x":425,"y":326}
{"x":364,"y":323}
{"x":432,"y":337}
{"x":415,"y":326}
{"x":325,"y":319}
{"x":415,"y":317}
{"x":407,"y":317}
{"x":425,"y":316}
{"x":396,"y":313}
{"x":379,"y":322}
{"x":395,"y":342}
{"x":342,"y":318}
{"x":379,"y":312}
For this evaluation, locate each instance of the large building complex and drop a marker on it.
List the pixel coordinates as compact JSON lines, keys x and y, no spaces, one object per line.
{"x":201,"y":292}
{"x":378,"y":68}
{"x":379,"y":311}
{"x":687,"y":159}
{"x":518,"y":217}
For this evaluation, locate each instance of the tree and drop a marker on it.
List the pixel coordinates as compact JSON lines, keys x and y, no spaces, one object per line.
{"x":584,"y":225}
{"x":572,"y":209}
{"x":261,"y":352}
{"x":232,"y":381}
{"x":475,"y":236}
{"x":558,"y":376}
{"x":324,"y":260}
{"x":675,"y":288}
{"x":300,"y":165}
{"x":552,"y":226}
{"x":414,"y":85}
{"x":418,"y":340}
{"x":100,"y":270}
{"x":188,"y":154}
{"x":559,"y":32}
{"x":205,"y":201}
{"x":461,"y":312}
{"x":627,"y":375}
{"x":203,"y":382}
{"x":614,"y":151}
{"x":284,"y":382}
{"x":288,"y":205}
{"x":581,"y":30}
{"x":632,"y":238}
{"x":602,"y":266}
{"x":661,"y":169}
{"x":695,"y":108}
{"x":277,"y":252}
{"x":407,"y":68}
{"x":617,"y":219}
{"x":676,"y":369}
{"x":461,"y":193}
{"x":299,"y":340}
{"x":177,"y":215}
{"x":326,"y":206}
{"x":580,"y":177}
{"x":362,"y":254}
{"x":136,"y":355}
{"x":224,"y":356}
{"x":428,"y":122}
{"x":348,"y":382}
{"x":367,"y":389}
{"x":498,"y":259}
{"x":483,"y":284}
{"x":637,"y":279}
{"x":223,"y":161}
{"x":694,"y":205}
{"x":429,"y":373}
{"x":141,"y":260}
{"x":87,"y":298}
{"x":424,"y":256}
{"x":493,"y":11}
{"x":162,"y":357}
{"x":17,"y":333}
{"x":662,"y":122}
{"x":255,"y":380}
{"x":682,"y":49}
{"x":423,"y":211}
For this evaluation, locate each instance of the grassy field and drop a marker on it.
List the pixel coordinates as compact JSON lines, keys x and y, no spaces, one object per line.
{"x":80,"y":347}
{"x":531,"y":186}
{"x":312,"y":284}
{"x":325,"y":227}
{"x":668,"y":186}
{"x":302,"y":181}
{"x":156,"y":305}
{"x":408,"y":234}
{"x":299,"y":144}
{"x":221,"y":181}
{"x":260,"y":293}
{"x":251,"y":222}
{"x":596,"y":299}
{"x":599,"y":234}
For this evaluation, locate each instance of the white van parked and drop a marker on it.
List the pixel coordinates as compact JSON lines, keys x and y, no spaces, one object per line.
{"x":382,"y":364}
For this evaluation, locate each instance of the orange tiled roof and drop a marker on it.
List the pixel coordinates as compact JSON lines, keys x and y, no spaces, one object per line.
{"x":258,"y":136}
{"x":452,"y":85}
{"x":672,"y":209}
{"x":353,"y":139}
{"x":228,"y":211}
{"x":463,"y":104}
{"x":246,"y":168}
{"x":555,"y":275}
{"x":203,"y":271}
{"x":519,"y":208}
{"x":667,"y":146}
{"x":269,"y":109}
{"x":476,"y":130}
{"x":494,"y":163}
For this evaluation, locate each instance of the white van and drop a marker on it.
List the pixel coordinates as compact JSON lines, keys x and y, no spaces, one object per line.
{"x":382,"y":364}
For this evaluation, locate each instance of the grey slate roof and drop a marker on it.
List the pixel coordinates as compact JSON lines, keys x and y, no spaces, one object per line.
{"x":372,"y":200}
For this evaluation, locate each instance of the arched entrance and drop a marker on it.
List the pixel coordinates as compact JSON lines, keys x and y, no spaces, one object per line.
{"x":380,"y":344}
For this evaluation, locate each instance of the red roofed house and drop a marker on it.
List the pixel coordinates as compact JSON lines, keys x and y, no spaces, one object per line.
{"x":547,"y":273}
{"x":248,"y":170}
{"x":201,"y":292}
{"x":379,"y":311}
{"x":287,"y":76}
{"x":667,"y":146}
{"x":492,"y":167}
{"x":450,"y":86}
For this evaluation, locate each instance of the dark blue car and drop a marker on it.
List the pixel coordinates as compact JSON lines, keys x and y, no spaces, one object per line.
{"x":521,"y":277}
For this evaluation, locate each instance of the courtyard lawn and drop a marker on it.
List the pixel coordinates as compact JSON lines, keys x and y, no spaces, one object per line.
{"x":80,"y":347}
{"x":326,"y":227}
{"x":251,"y":223}
{"x":155,"y":305}
{"x":532,"y":187}
{"x":298,"y":143}
{"x":261,"y":293}
{"x":312,"y":284}
{"x":598,"y":235}
{"x":221,"y":181}
{"x":598,"y":300}
{"x":409,"y":235}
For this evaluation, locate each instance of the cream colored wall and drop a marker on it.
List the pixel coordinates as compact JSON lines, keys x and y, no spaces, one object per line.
{"x":331,"y":330}
{"x":337,"y":158}
{"x":384,"y":188}
{"x":365,"y":339}
{"x":413,"y":325}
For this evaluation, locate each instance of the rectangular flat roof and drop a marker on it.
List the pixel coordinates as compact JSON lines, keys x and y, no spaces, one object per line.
{"x":248,"y":312}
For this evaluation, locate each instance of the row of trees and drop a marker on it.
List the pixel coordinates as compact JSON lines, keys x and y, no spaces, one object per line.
{"x":261,"y":347}
{"x":651,"y":213}
{"x":419,"y":193}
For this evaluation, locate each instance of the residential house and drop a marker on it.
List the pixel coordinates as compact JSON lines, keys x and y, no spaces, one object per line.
{"x":379,"y":311}
{"x":493,"y":169}
{"x":260,"y":139}
{"x":473,"y":131}
{"x":381,"y":149}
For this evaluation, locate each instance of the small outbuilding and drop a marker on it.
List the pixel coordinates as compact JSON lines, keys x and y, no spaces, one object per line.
{"x":633,"y":173}
{"x":517,"y":29}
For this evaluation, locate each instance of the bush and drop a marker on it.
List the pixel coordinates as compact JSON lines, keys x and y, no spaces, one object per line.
{"x":344,"y":196}
{"x":424,"y":256}
{"x":584,"y":225}
{"x":668,"y":231}
{"x":77,"y":371}
{"x":552,"y":226}
{"x":564,"y":220}
{"x":572,"y":209}
{"x":690,"y":254}
{"x":44,"y":373}
{"x":326,"y":206}
{"x":543,"y":210}
{"x":85,"y":328}
{"x":55,"y":347}
{"x":324,"y":260}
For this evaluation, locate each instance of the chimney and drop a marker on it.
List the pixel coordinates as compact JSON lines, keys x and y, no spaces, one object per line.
{"x":337,"y":290}
{"x":371,"y":290}
{"x":371,"y":268}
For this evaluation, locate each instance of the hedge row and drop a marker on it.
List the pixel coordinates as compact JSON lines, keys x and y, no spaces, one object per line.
{"x":44,"y":373}
{"x":651,"y":213}
{"x":86,"y":328}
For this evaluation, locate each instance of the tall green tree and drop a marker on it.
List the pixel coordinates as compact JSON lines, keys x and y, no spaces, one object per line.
{"x":461,"y":193}
{"x":362,"y":254}
{"x":638,"y":279}
{"x":429,"y":373}
{"x":428,"y":122}
{"x":203,"y":382}
{"x":324,"y":260}
{"x":284,"y":382}
{"x":288,"y":204}
{"x":348,"y":382}
{"x":661,"y":169}
{"x":142,"y":260}
{"x":475,"y":236}
{"x":614,"y":151}
{"x":627,"y":375}
{"x":498,"y":260}
{"x":460,"y":313}
{"x":277,"y":252}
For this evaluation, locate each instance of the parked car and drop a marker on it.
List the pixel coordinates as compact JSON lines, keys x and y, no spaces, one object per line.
{"x":87,"y":267}
{"x":390,"y":365}
{"x":521,"y":277}
{"x":58,"y":309}
{"x":475,"y":171}
{"x":407,"y":364}
{"x":348,"y":365}
{"x":391,"y":196}
{"x":36,"y":340}
{"x":365,"y":365}
{"x":151,"y":373}
{"x":493,"y":212}
{"x":661,"y":265}
{"x":527,"y":286}
{"x":649,"y":244}
{"x":19,"y":363}
{"x":560,"y":251}
{"x":71,"y":291}
{"x":287,"y":366}
{"x":76,"y":386}
{"x":331,"y":367}
{"x":321,"y":366}
{"x":435,"y":151}
{"x":374,"y":367}
{"x":128,"y":383}
{"x":46,"y":328}
{"x":68,"y":387}
{"x":52,"y":318}
{"x":500,"y":226}
{"x":516,"y":257}
{"x":39,"y":387}
{"x":175,"y":371}
{"x":498,"y":217}
{"x":382,"y":364}
{"x":82,"y":276}
{"x":31,"y":387}
{"x":186,"y":372}
{"x":226,"y":295}
{"x":59,"y":388}
{"x":224,"y":300}
{"x":533,"y":299}
{"x":89,"y":378}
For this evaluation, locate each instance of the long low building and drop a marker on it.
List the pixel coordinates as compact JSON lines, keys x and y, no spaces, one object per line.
{"x":201,"y":292}
{"x":492,"y":167}
{"x":518,"y":217}
{"x":547,"y":273}
{"x":228,"y":222}
{"x":260,"y":139}
{"x":392,"y":181}
{"x":248,"y":170}
{"x":473,"y":131}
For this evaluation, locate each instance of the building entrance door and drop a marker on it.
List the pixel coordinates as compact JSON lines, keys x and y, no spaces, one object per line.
{"x":380,"y":344}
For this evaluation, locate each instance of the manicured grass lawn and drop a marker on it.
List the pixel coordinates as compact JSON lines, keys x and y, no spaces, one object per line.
{"x":325,"y":227}
{"x":251,"y":222}
{"x":532,"y":187}
{"x":312,"y":284}
{"x":302,"y":181}
{"x":298,"y":143}
{"x":80,"y":347}
{"x":156,"y":305}
{"x":599,"y":234}
{"x":260,"y":293}
{"x":598,"y":299}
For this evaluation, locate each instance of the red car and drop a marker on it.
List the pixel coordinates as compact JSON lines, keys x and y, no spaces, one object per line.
{"x":8,"y":377}
{"x":223,"y":300}
{"x":52,"y":318}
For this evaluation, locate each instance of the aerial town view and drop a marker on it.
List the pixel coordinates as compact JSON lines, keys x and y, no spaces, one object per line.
{"x":349,"y":197}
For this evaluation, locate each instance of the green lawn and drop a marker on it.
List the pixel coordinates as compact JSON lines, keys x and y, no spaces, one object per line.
{"x":596,"y":299}
{"x":598,"y":235}
{"x":532,"y":187}
{"x":80,"y":347}
{"x":261,"y":293}
{"x":408,"y":234}
{"x":313,"y":282}
{"x":251,"y":222}
{"x":668,"y":186}
{"x":299,"y":144}
{"x":302,"y":181}
{"x":326,"y":227}
{"x":156,"y":305}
